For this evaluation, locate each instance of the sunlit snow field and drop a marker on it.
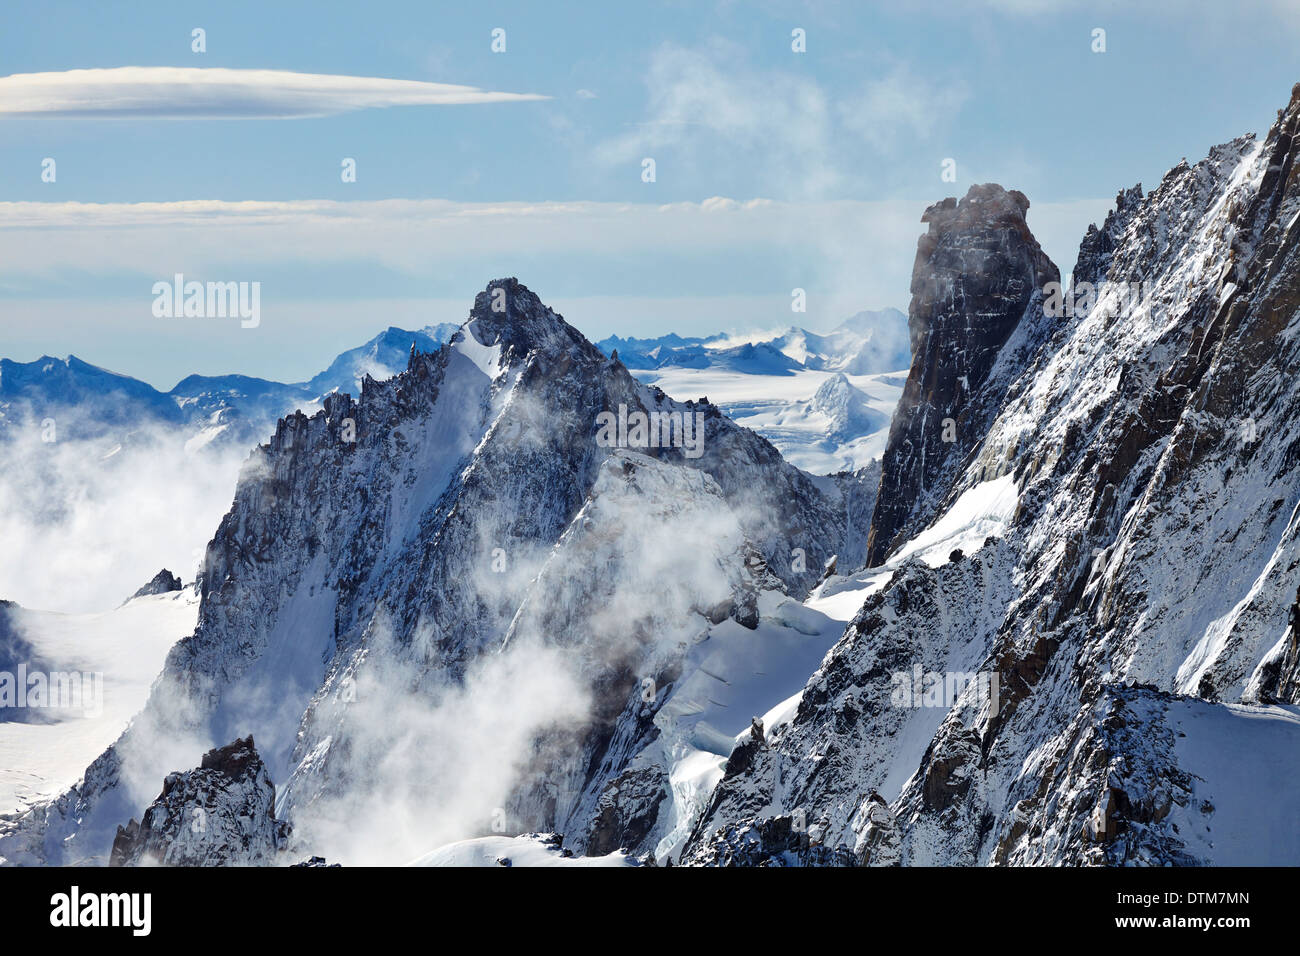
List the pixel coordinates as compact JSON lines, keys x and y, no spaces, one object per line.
{"x":128,"y":646}
{"x":778,"y":408}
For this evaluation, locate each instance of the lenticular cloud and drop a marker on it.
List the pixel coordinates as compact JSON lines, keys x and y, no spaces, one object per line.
{"x":167,"y":92}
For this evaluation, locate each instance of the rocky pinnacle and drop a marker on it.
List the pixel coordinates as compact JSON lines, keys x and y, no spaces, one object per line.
{"x":977,"y":270}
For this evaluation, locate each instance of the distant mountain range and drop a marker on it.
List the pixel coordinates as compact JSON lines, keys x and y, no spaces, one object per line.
{"x":85,"y":401}
{"x":867,"y":343}
{"x":824,"y":399}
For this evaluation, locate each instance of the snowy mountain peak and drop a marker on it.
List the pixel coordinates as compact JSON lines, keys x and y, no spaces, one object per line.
{"x":163,"y":582}
{"x":847,"y":408}
{"x":510,"y":315}
{"x":380,"y":358}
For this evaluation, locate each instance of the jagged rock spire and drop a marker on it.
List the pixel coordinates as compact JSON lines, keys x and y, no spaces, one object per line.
{"x":977,"y":270}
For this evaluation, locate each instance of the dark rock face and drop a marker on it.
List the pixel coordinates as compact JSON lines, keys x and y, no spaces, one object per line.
{"x":857,"y":490}
{"x":783,"y":840}
{"x":627,"y":811}
{"x":1280,"y":675}
{"x":162,"y":583}
{"x":978,"y":270}
{"x":221,"y":814}
{"x":1121,"y":764}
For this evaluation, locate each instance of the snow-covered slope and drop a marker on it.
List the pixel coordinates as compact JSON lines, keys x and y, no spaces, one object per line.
{"x":524,"y":850}
{"x":127,"y":646}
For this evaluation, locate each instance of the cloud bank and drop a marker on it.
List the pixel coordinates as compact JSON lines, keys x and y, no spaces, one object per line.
{"x":168,"y":92}
{"x":77,"y":276}
{"x":409,"y":235}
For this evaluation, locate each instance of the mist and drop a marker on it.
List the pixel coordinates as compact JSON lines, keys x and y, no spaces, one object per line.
{"x":85,"y":522}
{"x":419,"y":762}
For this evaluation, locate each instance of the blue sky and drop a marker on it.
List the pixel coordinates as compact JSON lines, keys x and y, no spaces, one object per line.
{"x":774,"y":169}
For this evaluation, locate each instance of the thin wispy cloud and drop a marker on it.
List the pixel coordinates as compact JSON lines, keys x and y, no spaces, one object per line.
{"x":901,"y":106}
{"x":39,"y":240}
{"x":417,"y":236}
{"x":708,"y":107}
{"x":167,"y":92}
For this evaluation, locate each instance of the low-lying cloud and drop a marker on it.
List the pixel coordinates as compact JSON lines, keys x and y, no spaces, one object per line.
{"x":84,"y":523}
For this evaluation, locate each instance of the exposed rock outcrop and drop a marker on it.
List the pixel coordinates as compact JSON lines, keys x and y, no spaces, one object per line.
{"x":978,"y":272}
{"x":221,"y":814}
{"x":163,"y":582}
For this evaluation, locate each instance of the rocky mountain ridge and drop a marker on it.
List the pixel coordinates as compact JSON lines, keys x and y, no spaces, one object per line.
{"x":220,"y":814}
{"x":1135,"y":607}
